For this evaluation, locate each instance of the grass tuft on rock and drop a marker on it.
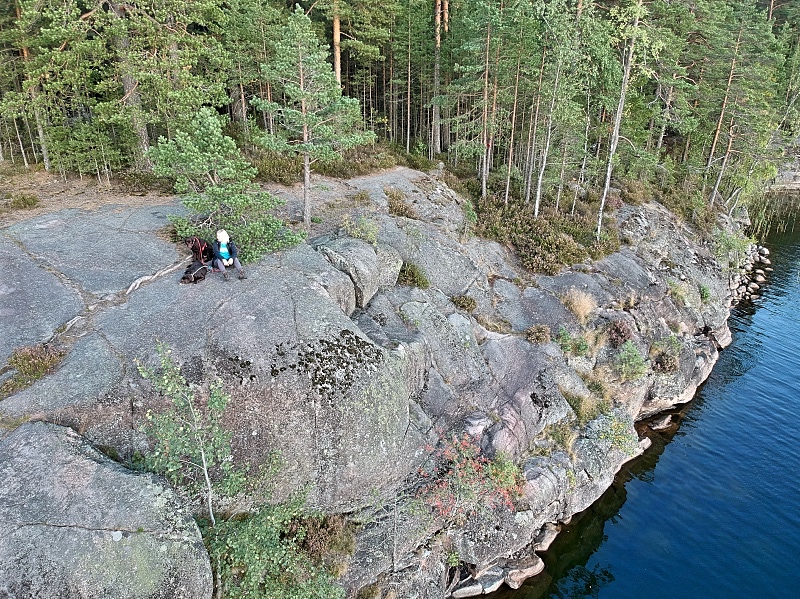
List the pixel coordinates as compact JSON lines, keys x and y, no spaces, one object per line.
{"x":30,"y":363}
{"x":412,"y":275}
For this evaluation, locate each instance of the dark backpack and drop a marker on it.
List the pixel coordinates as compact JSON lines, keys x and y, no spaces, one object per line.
{"x":201,"y":250}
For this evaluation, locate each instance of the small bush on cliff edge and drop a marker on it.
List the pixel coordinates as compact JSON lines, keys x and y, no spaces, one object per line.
{"x":255,"y":554}
{"x":458,"y":481}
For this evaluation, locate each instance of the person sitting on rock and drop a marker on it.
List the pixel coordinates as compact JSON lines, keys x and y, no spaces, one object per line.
{"x":226,"y":254}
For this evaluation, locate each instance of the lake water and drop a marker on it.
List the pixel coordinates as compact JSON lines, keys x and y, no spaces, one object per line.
{"x":712,"y":510}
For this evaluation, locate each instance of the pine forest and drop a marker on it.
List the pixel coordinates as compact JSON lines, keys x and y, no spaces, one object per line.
{"x":552,"y":110}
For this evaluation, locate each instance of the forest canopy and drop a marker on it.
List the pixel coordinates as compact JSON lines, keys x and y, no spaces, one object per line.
{"x":531,"y":99}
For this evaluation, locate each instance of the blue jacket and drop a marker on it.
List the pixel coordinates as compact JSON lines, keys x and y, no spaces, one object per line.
{"x":234,"y":251}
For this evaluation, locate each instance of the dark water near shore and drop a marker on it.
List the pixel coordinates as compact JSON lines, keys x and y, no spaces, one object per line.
{"x":713,"y":508}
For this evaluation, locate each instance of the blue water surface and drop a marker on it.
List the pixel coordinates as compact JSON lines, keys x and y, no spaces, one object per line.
{"x":712,"y":510}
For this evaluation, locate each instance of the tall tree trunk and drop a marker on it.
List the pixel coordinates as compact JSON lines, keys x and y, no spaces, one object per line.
{"x":725,"y":99}
{"x":21,"y":145}
{"x":34,"y":93}
{"x":485,"y":116}
{"x":513,"y":129}
{"x":667,"y":107}
{"x":408,"y":85}
{"x":337,"y":43}
{"x":561,"y":173}
{"x":546,"y":149}
{"x":614,"y":140}
{"x":131,"y":98}
{"x":724,"y":164}
{"x":534,"y":132}
{"x":436,"y":132}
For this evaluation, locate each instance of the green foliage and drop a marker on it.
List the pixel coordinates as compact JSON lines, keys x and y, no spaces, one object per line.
{"x":629,"y":362}
{"x":617,"y":428}
{"x":731,"y":248}
{"x":30,"y":363}
{"x":362,"y":228}
{"x":259,"y":556}
{"x":315,"y":120}
{"x":453,"y":559}
{"x":216,"y":186}
{"x":538,"y":333}
{"x":19,"y":201}
{"x":457,"y":481}
{"x":397,"y":203}
{"x":547,"y":243}
{"x":412,"y":275}
{"x":191,"y":448}
{"x":577,"y":346}
{"x":705,"y":293}
{"x":506,"y":474}
{"x":256,"y":554}
{"x":665,"y":354}
{"x":464,"y":302}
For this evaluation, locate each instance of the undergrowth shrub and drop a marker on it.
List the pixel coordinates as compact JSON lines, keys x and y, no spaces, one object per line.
{"x":586,"y":407}
{"x":547,"y":243}
{"x":361,"y":198}
{"x":464,"y":302}
{"x":457,"y":481}
{"x":577,"y":346}
{"x":677,"y":291}
{"x":416,"y":159}
{"x":30,"y":364}
{"x":356,"y":162}
{"x":691,"y":206}
{"x":665,"y":354}
{"x":629,"y":362}
{"x":619,"y":331}
{"x":412,"y":275}
{"x":538,"y":333}
{"x":361,"y":228}
{"x":617,"y":429}
{"x":496,"y":324}
{"x":21,"y":201}
{"x":636,"y":191}
{"x":142,"y":182}
{"x":278,"y":167}
{"x":398,"y":205}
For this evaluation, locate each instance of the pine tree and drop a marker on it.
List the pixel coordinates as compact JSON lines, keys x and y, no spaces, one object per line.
{"x":316,"y":120}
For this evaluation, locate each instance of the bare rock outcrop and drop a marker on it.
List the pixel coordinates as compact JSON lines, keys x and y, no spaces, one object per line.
{"x":76,"y":525}
{"x":354,"y":378}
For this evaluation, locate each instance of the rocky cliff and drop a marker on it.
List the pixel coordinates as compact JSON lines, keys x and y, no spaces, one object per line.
{"x":354,"y":378}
